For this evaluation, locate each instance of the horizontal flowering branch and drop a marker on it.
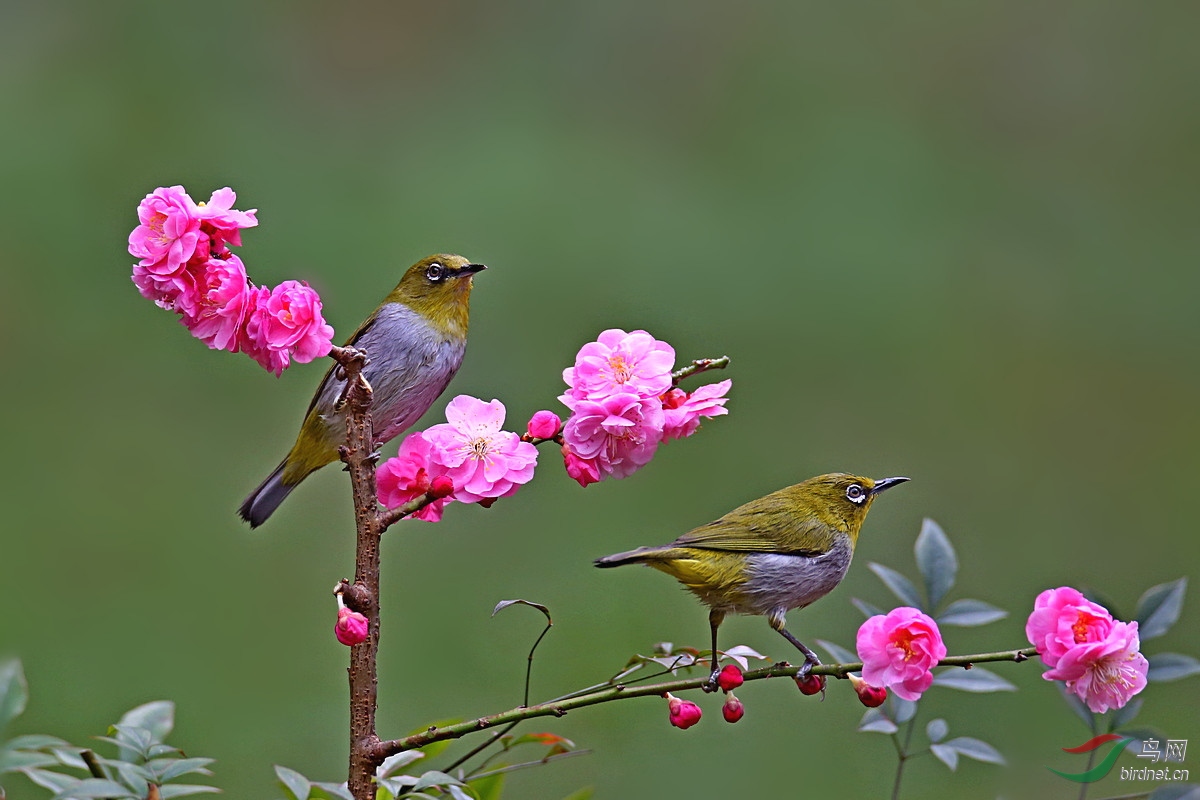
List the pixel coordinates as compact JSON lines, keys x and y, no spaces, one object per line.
{"x":620,"y":691}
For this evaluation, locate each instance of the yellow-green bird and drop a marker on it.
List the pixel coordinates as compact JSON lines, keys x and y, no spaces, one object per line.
{"x":414,"y":342}
{"x":773,"y":554}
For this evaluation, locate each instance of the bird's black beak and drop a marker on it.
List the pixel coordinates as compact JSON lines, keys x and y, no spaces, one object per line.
{"x":469,"y":269}
{"x":886,"y":483}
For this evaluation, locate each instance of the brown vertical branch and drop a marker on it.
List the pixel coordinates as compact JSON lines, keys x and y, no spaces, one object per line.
{"x":363,"y":595}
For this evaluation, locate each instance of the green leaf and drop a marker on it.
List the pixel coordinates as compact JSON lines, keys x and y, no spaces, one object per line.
{"x":435,"y":778}
{"x":157,"y":717}
{"x":875,"y":721}
{"x":976,"y":749}
{"x":94,"y":788}
{"x":1123,"y":716}
{"x":36,"y":741}
{"x":840,"y":654}
{"x":14,"y":692}
{"x":133,"y":741}
{"x":296,"y":784}
{"x":331,"y":791}
{"x":15,"y":760}
{"x":937,"y":729}
{"x":1171,"y":667}
{"x":165,"y":769}
{"x":458,"y":793}
{"x":968,"y":613}
{"x":1079,"y":707}
{"x":904,"y":710}
{"x":976,"y":679}
{"x":946,"y":754}
{"x":395,"y":764}
{"x":503,"y":604}
{"x":54,"y":781}
{"x":900,"y":586}
{"x":936,"y":561}
{"x":184,"y":790}
{"x":1180,"y":791}
{"x":866,"y":608}
{"x":1158,"y":609}
{"x":490,"y":787}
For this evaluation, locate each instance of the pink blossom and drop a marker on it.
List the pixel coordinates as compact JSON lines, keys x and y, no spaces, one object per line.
{"x":483,"y":461}
{"x":732,"y":710}
{"x":285,"y":324}
{"x":617,"y":435}
{"x":729,"y":678}
{"x":621,"y":363}
{"x":683,"y":714}
{"x":1063,"y":618}
{"x":1104,"y":674}
{"x":682,"y":411}
{"x":222,"y":222}
{"x":409,"y":475}
{"x":351,"y":628}
{"x":899,"y":650}
{"x":543,"y":425}
{"x":221,"y":300}
{"x":168,"y":233}
{"x":582,"y":471}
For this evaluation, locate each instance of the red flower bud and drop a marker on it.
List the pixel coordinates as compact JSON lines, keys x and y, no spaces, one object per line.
{"x":441,"y":486}
{"x":810,"y":684}
{"x":733,"y":709}
{"x":351,"y":628}
{"x":683,"y":713}
{"x":729,"y":678}
{"x":870,"y":696}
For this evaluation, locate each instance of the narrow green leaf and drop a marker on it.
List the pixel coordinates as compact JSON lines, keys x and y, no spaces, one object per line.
{"x":1171,"y":667}
{"x":945,"y":754}
{"x":16,"y":760}
{"x":332,"y":791}
{"x":840,"y":654}
{"x":904,"y":710}
{"x":503,"y":604}
{"x":968,"y":613}
{"x":157,"y":717}
{"x":14,"y":691}
{"x":93,"y":788}
{"x":434,"y":778}
{"x":167,"y":769}
{"x":900,"y":586}
{"x":54,"y":781}
{"x":1159,"y":607}
{"x":875,"y":721}
{"x":936,"y":561}
{"x":866,"y":608}
{"x":976,"y":679}
{"x":1123,"y":716}
{"x":490,"y":787}
{"x":976,"y":749}
{"x":184,"y":790}
{"x":937,"y":729}
{"x":36,"y":741}
{"x":458,"y":793}
{"x":296,"y":784}
{"x":395,"y":764}
{"x":133,"y":741}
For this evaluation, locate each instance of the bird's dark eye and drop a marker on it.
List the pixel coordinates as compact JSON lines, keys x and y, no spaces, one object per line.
{"x":435,"y":272}
{"x":855,"y":493}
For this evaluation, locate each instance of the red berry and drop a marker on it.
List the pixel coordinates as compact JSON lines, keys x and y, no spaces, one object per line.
{"x":810,"y":684}
{"x":729,"y":678}
{"x":733,"y":709}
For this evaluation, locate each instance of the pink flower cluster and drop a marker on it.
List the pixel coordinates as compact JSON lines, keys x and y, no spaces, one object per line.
{"x":468,"y":458}
{"x":624,"y":404}
{"x":899,"y":650}
{"x":185,"y":265}
{"x":1096,"y":656}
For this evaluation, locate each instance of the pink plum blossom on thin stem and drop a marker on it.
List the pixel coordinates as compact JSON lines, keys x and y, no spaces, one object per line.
{"x":1063,"y":618}
{"x":899,"y":650}
{"x":682,"y":410}
{"x":285,"y":324}
{"x":1107,"y":673}
{"x":615,"y":436}
{"x":543,"y":425}
{"x":168,"y":232}
{"x":483,"y":461}
{"x":409,"y":475}
{"x":620,"y":362}
{"x":221,"y":300}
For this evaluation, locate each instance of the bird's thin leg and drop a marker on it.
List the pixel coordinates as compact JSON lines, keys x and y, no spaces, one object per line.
{"x":715,"y":618}
{"x":777,"y":618}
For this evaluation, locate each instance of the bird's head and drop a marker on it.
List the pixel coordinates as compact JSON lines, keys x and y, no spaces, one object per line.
{"x":842,"y":500}
{"x":439,"y":289}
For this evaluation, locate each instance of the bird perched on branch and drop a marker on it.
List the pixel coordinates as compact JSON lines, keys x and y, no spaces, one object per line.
{"x":779,"y":552}
{"x":414,"y":342}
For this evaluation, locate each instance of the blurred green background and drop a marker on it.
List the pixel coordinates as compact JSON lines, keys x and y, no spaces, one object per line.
{"x":955,"y":241}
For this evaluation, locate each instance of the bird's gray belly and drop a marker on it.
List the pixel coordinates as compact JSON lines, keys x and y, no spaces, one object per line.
{"x":793,"y":581}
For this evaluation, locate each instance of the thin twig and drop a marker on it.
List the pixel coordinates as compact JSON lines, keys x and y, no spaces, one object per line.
{"x":698,"y":366}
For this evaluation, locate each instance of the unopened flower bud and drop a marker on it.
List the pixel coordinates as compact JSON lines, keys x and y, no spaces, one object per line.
{"x":733,"y":709}
{"x":441,"y":486}
{"x":729,"y":678}
{"x":543,"y":425}
{"x":351,"y":628}
{"x":810,"y":684}
{"x":870,"y":696}
{"x":683,"y":713}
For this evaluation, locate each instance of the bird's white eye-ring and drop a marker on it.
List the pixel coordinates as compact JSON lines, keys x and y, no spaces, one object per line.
{"x":855,"y":493}
{"x":435,"y":272}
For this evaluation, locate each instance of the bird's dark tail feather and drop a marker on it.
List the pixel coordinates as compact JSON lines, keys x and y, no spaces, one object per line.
{"x":630,"y":557}
{"x":263,"y":501}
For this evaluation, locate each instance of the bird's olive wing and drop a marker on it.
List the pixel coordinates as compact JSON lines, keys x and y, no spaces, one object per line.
{"x":762,"y":527}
